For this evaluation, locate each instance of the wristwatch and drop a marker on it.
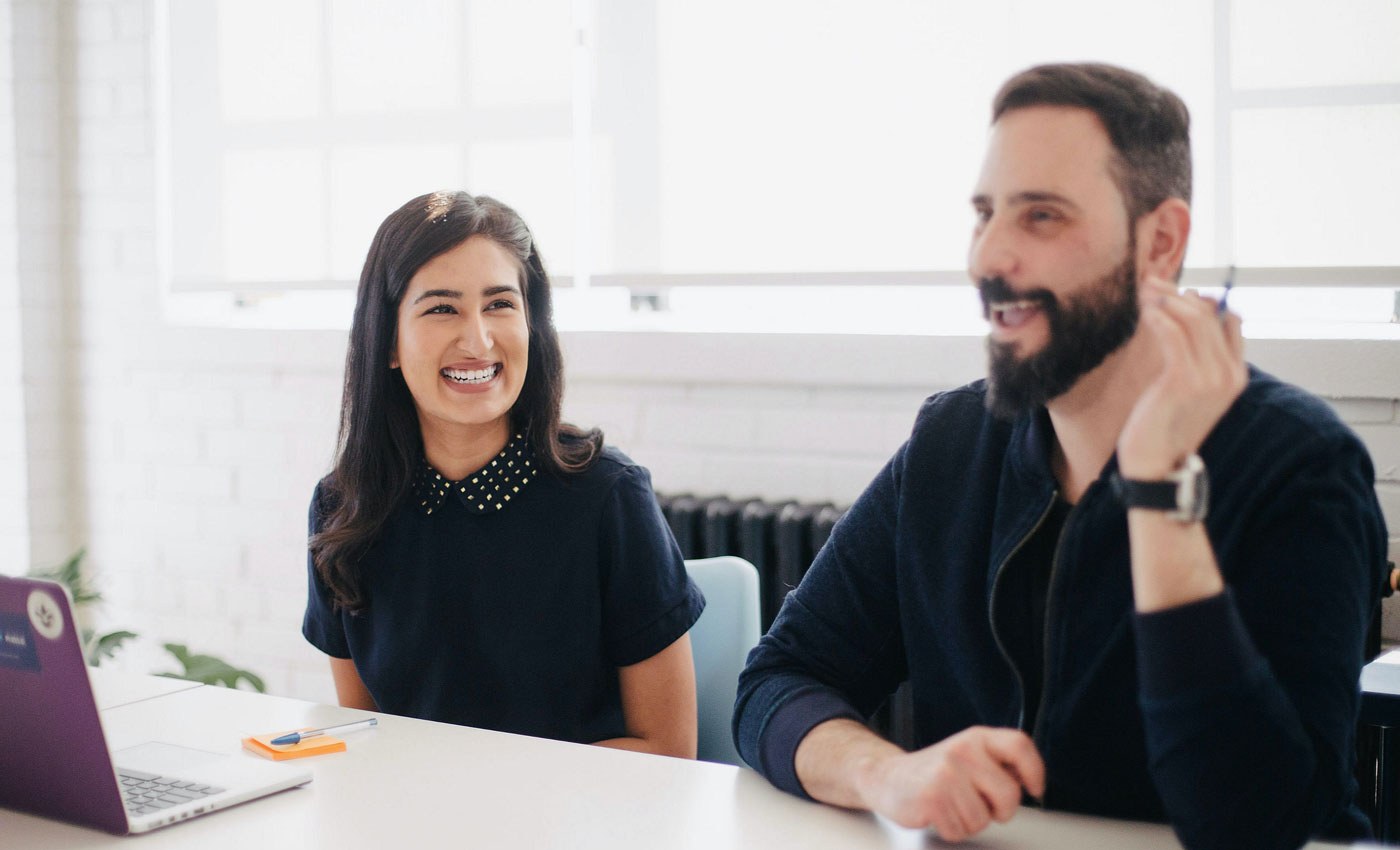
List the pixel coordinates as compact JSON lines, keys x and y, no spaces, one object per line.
{"x":1184,"y":495}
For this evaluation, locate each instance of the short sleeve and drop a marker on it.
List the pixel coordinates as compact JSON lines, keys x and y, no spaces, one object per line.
{"x":648,"y":599}
{"x":321,"y":625}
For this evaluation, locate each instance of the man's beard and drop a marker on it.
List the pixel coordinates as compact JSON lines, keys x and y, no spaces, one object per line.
{"x":1084,"y":329}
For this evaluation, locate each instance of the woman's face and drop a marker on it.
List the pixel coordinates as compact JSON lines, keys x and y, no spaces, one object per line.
{"x":463,"y":342}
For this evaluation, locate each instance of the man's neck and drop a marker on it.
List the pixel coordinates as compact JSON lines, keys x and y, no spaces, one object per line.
{"x":1088,"y":419}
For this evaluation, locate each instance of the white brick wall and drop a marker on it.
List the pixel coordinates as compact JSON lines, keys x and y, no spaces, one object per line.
{"x":194,"y":451}
{"x":14,"y":474}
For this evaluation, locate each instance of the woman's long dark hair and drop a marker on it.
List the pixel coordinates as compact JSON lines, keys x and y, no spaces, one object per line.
{"x":380,"y":443}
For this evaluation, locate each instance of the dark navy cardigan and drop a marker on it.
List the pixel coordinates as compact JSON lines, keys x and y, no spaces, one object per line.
{"x":1232,"y":718}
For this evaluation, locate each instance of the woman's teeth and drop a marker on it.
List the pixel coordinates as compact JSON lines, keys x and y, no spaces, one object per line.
{"x":472,"y":376}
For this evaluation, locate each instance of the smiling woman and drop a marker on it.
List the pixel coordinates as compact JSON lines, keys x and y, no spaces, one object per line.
{"x":463,"y":345}
{"x":473,"y":559}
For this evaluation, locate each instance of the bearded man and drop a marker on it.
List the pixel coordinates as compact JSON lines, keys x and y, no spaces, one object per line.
{"x":1127,"y":574}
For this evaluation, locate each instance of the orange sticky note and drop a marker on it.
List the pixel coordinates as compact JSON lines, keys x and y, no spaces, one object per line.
{"x":318,"y":746}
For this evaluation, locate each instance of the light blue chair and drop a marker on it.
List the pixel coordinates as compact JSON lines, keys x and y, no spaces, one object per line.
{"x":721,"y":640}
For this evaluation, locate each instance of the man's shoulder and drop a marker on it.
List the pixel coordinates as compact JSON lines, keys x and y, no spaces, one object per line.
{"x":1289,"y":412}
{"x":961,"y":411}
{"x":967,"y":403}
{"x":955,"y":423}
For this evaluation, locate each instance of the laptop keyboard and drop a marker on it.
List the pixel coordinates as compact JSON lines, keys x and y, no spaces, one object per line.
{"x":146,"y":792}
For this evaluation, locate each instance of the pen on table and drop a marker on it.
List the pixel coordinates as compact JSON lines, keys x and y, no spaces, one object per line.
{"x":1222,"y":305}
{"x":298,"y":737}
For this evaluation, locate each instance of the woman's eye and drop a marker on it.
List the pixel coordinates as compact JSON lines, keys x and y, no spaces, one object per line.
{"x":502,"y":304}
{"x":441,"y":309}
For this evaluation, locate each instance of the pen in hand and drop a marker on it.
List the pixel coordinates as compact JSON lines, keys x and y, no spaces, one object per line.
{"x":298,"y":737}
{"x":1223,"y":304}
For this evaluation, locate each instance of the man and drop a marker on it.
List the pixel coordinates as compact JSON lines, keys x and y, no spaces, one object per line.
{"x":1076,"y":620}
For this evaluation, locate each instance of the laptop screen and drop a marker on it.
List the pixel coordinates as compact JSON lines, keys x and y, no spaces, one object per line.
{"x":53,"y":756}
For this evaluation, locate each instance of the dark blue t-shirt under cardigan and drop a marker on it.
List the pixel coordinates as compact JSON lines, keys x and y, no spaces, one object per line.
{"x":515,"y":618}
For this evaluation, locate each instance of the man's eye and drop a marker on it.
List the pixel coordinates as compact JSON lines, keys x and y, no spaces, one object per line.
{"x":1042,"y":215}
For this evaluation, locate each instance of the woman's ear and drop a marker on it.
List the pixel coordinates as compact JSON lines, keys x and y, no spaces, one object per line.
{"x":1161,"y":238}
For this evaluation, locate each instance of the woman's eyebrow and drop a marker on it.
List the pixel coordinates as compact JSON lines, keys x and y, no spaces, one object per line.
{"x":438,"y":293}
{"x":497,"y":290}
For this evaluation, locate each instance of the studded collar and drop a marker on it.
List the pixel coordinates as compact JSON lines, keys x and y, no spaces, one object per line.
{"x":489,"y":490}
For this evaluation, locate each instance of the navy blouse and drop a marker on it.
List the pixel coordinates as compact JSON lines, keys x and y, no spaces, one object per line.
{"x":514,"y":616}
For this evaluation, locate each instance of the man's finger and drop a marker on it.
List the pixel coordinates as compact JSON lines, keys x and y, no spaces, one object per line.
{"x":1014,"y":749}
{"x":1000,"y":787}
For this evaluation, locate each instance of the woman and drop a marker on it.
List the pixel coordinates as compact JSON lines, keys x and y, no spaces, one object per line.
{"x":473,"y":559}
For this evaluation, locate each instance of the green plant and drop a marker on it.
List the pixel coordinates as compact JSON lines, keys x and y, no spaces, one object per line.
{"x":209,"y":670}
{"x":206,"y":669}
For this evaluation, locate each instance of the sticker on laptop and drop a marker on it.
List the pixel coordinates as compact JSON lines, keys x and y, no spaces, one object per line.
{"x":45,"y":615}
{"x":17,"y":649}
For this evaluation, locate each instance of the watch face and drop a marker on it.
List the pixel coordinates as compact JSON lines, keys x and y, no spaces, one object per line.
{"x":1193,"y":491}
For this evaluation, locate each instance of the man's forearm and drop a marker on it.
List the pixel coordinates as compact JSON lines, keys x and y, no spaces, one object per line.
{"x":836,"y":758}
{"x":1172,"y":562}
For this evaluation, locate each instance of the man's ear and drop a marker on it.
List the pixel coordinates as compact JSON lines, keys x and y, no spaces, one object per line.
{"x":1161,"y":239}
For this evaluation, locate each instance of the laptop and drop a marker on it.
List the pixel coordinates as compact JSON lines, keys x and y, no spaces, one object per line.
{"x":54,"y":759}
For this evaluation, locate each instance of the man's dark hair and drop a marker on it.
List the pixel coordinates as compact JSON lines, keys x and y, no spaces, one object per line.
{"x":1148,"y":125}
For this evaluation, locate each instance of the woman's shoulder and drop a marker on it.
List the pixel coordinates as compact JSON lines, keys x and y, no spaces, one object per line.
{"x":608,"y":465}
{"x":324,"y":497}
{"x":611,"y":474}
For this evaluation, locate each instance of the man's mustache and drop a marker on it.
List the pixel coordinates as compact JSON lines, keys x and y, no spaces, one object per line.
{"x":996,"y":289}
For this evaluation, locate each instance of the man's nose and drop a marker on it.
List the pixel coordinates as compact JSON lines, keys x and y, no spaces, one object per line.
{"x":993,"y":252}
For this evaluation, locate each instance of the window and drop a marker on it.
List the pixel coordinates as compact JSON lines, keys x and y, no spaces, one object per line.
{"x":668,"y":145}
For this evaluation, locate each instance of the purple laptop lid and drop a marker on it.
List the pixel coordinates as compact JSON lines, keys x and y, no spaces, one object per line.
{"x":53,"y":755}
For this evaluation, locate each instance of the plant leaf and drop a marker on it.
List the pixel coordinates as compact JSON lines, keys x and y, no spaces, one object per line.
{"x":210,"y":670}
{"x":107,"y":645}
{"x":70,"y":575}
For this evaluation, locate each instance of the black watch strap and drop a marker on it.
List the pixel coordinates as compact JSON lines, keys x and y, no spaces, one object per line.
{"x":1157,"y":495}
{"x":1184,"y":496}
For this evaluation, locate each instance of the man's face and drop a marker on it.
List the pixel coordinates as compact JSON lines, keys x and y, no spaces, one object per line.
{"x":1052,"y":255}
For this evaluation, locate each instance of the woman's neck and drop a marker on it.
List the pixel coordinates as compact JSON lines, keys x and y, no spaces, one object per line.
{"x":457,"y":451}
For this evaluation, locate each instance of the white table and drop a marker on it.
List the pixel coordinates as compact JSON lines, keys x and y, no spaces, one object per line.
{"x":113,"y":689}
{"x":419,"y":784}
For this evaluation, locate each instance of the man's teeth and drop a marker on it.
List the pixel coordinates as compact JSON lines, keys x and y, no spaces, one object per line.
{"x":1024,"y":304}
{"x":472,"y":376}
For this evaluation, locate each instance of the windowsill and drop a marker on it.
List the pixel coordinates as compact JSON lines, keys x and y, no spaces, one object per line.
{"x":1336,"y":359}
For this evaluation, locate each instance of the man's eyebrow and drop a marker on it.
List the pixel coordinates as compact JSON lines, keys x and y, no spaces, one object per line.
{"x":438,"y":293}
{"x":1033,"y":196}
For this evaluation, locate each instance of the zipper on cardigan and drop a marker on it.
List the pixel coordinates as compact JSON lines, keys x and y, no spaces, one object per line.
{"x":1049,"y":608}
{"x":992,"y":615}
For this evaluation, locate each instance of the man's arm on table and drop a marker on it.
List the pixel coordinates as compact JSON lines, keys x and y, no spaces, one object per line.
{"x":835,"y":653}
{"x":958,"y":786}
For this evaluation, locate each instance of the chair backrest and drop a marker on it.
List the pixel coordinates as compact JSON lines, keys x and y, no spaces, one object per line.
{"x":721,"y":640}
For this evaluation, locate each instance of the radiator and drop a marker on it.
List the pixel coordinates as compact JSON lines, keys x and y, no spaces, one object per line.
{"x":780,"y":539}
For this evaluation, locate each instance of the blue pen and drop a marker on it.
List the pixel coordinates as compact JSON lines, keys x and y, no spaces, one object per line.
{"x":298,"y":737}
{"x":1220,"y":306}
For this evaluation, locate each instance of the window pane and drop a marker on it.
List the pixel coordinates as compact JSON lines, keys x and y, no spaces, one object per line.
{"x":859,"y":146}
{"x":395,"y":57}
{"x":1282,"y":43}
{"x":369,"y":182}
{"x":269,"y":71}
{"x":520,"y":51}
{"x":274,"y":215}
{"x":1317,"y":186}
